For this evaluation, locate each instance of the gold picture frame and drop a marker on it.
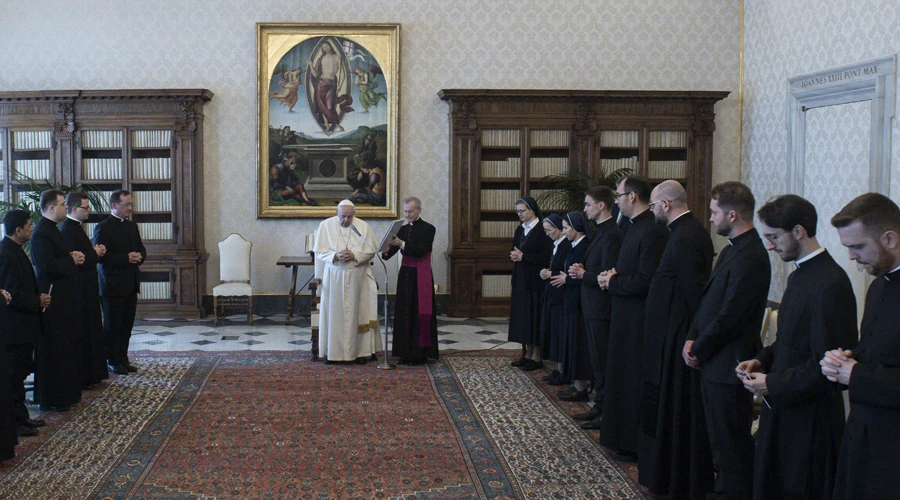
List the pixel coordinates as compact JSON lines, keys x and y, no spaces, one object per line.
{"x":329,"y":99}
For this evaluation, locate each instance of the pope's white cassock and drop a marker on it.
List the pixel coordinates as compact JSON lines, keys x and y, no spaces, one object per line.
{"x":348,"y":318}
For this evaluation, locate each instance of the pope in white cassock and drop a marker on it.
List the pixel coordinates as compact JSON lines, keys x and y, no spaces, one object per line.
{"x":348,"y":318}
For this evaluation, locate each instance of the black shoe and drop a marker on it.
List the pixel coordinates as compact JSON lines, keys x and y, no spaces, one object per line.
{"x":626,"y":456}
{"x":558,"y":380}
{"x":118,"y":369}
{"x":56,"y":408}
{"x":566,"y":392}
{"x":554,"y":373}
{"x":362,"y":361}
{"x":531,"y":365}
{"x":591,"y":425}
{"x":131,"y":368}
{"x":26,"y":432}
{"x":34,"y":423}
{"x":588,"y":415}
{"x":576,"y":397}
{"x":519,"y":362}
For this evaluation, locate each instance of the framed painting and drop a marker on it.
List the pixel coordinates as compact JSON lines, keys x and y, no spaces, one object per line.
{"x":328,"y":118}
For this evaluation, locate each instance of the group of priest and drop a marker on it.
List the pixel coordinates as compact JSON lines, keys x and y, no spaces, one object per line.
{"x":66,"y":313}
{"x":635,"y":315}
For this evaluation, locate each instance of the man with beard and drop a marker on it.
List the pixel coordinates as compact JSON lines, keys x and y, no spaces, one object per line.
{"x":674,"y":459}
{"x":725,"y":331}
{"x":869,"y":226}
{"x":628,"y":284}
{"x":91,"y":351}
{"x":801,"y":423}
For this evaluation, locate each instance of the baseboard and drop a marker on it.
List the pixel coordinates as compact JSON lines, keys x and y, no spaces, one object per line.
{"x":267,"y":305}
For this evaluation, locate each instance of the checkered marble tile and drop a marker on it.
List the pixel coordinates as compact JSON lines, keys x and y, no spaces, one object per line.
{"x":270,"y":333}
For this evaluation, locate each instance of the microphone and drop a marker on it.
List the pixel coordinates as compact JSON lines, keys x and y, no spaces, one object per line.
{"x":352,"y":227}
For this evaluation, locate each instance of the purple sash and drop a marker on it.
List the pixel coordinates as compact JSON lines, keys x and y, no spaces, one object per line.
{"x":425,"y":288}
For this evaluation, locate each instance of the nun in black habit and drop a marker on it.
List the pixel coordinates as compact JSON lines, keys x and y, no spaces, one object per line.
{"x":531,"y":251}
{"x":552,"y":312}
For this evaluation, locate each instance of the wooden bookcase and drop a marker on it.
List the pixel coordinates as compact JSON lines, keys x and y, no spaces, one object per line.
{"x":502,"y":142}
{"x":149,"y":142}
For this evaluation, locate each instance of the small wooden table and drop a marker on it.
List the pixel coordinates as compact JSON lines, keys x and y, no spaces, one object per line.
{"x":294,"y":263}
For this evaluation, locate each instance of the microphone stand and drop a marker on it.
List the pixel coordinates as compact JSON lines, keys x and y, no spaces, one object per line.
{"x":384,"y":365}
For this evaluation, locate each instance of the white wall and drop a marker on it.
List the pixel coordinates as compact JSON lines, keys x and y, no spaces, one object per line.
{"x":784,"y":39}
{"x":538,"y":44}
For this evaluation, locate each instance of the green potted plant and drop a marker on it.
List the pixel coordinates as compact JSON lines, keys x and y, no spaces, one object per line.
{"x":565,"y":192}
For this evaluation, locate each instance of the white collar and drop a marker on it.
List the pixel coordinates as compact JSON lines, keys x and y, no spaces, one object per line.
{"x":811,"y":255}
{"x":680,"y":216}
{"x":576,"y":242}
{"x":73,"y":218}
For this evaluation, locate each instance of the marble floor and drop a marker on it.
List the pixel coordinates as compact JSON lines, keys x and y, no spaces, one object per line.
{"x":270,"y":333}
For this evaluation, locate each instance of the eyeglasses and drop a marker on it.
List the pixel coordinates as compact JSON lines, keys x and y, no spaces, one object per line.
{"x":657,"y":201}
{"x":86,"y":209}
{"x":124,"y":204}
{"x":618,"y":195}
{"x":522,"y":211}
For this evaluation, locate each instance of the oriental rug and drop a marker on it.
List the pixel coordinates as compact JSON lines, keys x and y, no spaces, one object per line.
{"x":276,"y":425}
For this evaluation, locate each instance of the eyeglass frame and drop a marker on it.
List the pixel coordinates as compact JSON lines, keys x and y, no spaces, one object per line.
{"x":618,"y":195}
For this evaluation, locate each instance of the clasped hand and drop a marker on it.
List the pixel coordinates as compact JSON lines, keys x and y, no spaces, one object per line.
{"x":135,"y":257}
{"x":345,"y":256}
{"x":837,"y":365}
{"x":78,"y":257}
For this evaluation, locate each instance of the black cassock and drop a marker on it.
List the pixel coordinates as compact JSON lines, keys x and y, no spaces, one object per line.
{"x":527,"y":285}
{"x":638,"y":259}
{"x":57,"y":381}
{"x":418,"y":238}
{"x":578,"y":355}
{"x":552,"y":317}
{"x":798,"y":438}
{"x":91,"y":350}
{"x":870,"y":448}
{"x":674,"y":458}
{"x":8,"y":425}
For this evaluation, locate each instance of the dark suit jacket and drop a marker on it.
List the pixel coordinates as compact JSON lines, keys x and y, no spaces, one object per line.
{"x":602,"y":255}
{"x":726,"y":327}
{"x":119,"y":278}
{"x":22,"y":321}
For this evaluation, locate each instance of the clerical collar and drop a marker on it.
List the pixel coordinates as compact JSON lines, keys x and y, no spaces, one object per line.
{"x":576,"y":242}
{"x":888,"y":275}
{"x":121,"y":219}
{"x":73,"y":218}
{"x":604,"y":220}
{"x":557,"y":241}
{"x":741,"y":237}
{"x":638,"y":216}
{"x":680,"y":216}
{"x":810,"y":256}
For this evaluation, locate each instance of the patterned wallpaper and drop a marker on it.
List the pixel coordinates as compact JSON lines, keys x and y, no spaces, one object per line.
{"x":783,"y":39}
{"x":581,"y":44}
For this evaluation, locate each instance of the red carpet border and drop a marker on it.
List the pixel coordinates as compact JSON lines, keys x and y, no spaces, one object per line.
{"x":276,"y":425}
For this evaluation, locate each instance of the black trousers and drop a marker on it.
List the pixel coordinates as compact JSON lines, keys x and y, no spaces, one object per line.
{"x":118,"y":320}
{"x":729,"y":416}
{"x":19,"y":358}
{"x":597,"y":331}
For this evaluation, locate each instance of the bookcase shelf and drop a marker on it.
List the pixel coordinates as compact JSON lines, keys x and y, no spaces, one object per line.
{"x":149,"y":142}
{"x":512,"y":139}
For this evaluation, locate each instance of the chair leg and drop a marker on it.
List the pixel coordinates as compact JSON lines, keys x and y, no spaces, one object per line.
{"x":250,"y":309}
{"x":215,"y":310}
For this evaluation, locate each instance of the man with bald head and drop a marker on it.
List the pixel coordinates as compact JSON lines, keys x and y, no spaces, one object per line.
{"x":348,"y":321}
{"x":674,"y":459}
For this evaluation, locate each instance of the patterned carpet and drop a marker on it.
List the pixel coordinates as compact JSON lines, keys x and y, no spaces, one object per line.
{"x":275,"y":425}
